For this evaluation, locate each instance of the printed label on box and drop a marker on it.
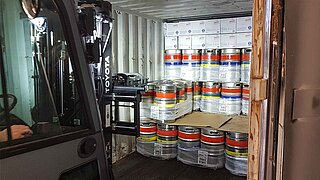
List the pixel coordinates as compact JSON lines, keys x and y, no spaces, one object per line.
{"x":244,"y":24}
{"x":185,"y":28}
{"x":244,"y":40}
{"x":171,"y":43}
{"x":202,"y":157}
{"x":228,"y":25}
{"x":212,"y":26}
{"x":172,"y":29}
{"x":198,"y":27}
{"x":212,"y":41}
{"x":228,"y":40}
{"x":198,"y":42}
{"x":184,"y":42}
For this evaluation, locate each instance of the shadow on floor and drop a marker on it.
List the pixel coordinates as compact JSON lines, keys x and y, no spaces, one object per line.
{"x":138,"y":167}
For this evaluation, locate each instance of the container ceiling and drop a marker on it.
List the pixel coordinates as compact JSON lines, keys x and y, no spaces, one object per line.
{"x":181,"y":9}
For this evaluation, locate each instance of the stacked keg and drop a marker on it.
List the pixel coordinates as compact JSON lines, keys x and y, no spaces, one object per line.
{"x":245,"y":99}
{"x":188,"y":144}
{"x":165,"y":100}
{"x":212,"y":141}
{"x":245,"y":65}
{"x":172,"y":62}
{"x":210,"y":62}
{"x":147,"y":100}
{"x":190,"y":69}
{"x":196,"y":96}
{"x":230,"y":102}
{"x":167,"y":137}
{"x":210,"y":97}
{"x":229,"y":70}
{"x":237,"y":153}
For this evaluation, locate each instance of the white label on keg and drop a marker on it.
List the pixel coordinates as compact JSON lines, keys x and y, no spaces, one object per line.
{"x":155,"y":112}
{"x":202,"y":157}
{"x":157,"y":149}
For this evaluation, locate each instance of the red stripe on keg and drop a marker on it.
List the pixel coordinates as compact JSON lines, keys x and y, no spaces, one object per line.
{"x":167,"y":133}
{"x":245,"y":98}
{"x":230,"y":57}
{"x":246,"y":57}
{"x":148,"y":94}
{"x":165,"y":95}
{"x":189,"y":89}
{"x":245,"y":91}
{"x":172,"y":57}
{"x":231,"y":90}
{"x":196,"y":88}
{"x":212,"y":57}
{"x":212,"y":139}
{"x":210,"y":89}
{"x":191,"y":57}
{"x":184,"y":135}
{"x":236,"y":143}
{"x":180,"y":93}
{"x":148,"y":129}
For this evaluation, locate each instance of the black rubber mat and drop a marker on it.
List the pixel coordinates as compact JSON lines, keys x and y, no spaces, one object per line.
{"x":138,"y":167}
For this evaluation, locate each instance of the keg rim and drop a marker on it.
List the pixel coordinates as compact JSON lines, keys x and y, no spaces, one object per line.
{"x":231,"y":51}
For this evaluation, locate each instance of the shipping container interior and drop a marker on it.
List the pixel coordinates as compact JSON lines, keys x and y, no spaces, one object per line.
{"x":142,"y":32}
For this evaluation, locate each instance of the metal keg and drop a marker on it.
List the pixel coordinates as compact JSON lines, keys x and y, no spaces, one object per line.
{"x":181,"y":92}
{"x":196,"y":95}
{"x":237,"y":144}
{"x":149,"y":94}
{"x":191,"y":55}
{"x":212,"y":141}
{"x":148,"y":131}
{"x":172,"y":55}
{"x":230,"y":102}
{"x":165,"y":93}
{"x":167,"y":134}
{"x":245,"y":65}
{"x":210,"y":62}
{"x":172,"y":69}
{"x":189,"y":137}
{"x":210,"y":97}
{"x":229,"y":70}
{"x":245,"y":99}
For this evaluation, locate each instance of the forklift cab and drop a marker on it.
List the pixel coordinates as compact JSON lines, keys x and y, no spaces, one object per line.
{"x":46,"y":86}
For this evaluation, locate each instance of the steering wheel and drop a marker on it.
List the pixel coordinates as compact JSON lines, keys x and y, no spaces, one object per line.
{"x":11,"y":105}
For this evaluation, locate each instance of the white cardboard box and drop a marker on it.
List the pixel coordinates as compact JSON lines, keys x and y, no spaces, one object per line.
{"x":244,"y":40}
{"x":198,"y":27}
{"x":172,"y":29}
{"x":228,"y":25}
{"x":213,"y":41}
{"x":184,"y":42}
{"x":171,"y":42}
{"x":185,"y":28}
{"x":244,"y":24}
{"x":228,"y":40}
{"x":198,"y":42}
{"x":212,"y":26}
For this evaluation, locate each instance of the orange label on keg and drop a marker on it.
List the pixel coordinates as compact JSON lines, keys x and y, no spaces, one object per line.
{"x":148,"y":94}
{"x":210,"y":89}
{"x":172,"y":57}
{"x":191,"y":57}
{"x":184,"y":135}
{"x":245,"y":57}
{"x":180,"y":93}
{"x":196,"y":88}
{"x":148,"y":129}
{"x":245,"y":91}
{"x":231,"y":90}
{"x":236,"y":143}
{"x":230,"y":57}
{"x":189,"y":89}
{"x":165,"y":95}
{"x":167,"y":133}
{"x":212,"y":57}
{"x":212,"y":139}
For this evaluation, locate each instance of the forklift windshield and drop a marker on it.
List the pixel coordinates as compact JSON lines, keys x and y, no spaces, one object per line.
{"x":38,"y":87}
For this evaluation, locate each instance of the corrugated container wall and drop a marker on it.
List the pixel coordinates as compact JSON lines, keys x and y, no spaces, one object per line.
{"x":137,"y":47}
